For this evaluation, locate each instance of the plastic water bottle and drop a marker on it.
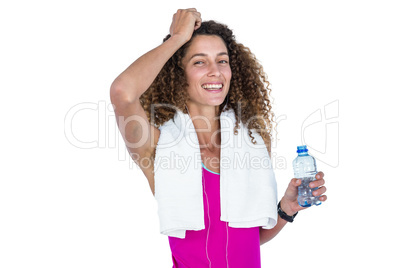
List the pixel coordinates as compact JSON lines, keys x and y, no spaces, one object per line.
{"x":304,"y":168}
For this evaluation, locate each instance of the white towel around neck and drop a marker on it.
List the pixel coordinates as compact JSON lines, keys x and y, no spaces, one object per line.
{"x":248,"y":190}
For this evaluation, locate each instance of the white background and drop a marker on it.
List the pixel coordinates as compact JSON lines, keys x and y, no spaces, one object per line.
{"x":62,"y":205}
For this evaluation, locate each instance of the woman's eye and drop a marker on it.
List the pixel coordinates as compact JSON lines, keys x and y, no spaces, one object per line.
{"x":223,"y":61}
{"x":198,"y":62}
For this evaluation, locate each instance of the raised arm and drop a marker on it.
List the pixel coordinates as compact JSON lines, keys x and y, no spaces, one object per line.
{"x":139,"y":135}
{"x":138,"y":77}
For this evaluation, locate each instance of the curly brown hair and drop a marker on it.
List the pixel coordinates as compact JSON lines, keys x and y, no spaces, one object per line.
{"x":248,"y":96}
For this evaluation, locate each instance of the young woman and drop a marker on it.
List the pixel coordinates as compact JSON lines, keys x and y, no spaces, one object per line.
{"x":200,"y":73}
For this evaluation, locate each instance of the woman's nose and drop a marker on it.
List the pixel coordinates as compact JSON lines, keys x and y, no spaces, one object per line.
{"x":214,"y":70}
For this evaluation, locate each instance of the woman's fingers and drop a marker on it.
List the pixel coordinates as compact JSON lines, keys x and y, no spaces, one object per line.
{"x":185,"y":22}
{"x":319,"y":175}
{"x":319,"y":184}
{"x":320,"y":191}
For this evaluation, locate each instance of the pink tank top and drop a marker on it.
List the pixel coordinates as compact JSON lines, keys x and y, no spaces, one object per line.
{"x":218,"y":245}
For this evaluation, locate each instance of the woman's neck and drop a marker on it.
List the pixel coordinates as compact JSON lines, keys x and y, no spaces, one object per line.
{"x":207,"y":124}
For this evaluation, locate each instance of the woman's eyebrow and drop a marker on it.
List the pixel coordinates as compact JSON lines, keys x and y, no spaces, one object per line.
{"x":205,"y":55}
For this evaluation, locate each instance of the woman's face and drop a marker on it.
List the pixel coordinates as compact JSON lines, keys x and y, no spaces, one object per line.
{"x":207,"y":69}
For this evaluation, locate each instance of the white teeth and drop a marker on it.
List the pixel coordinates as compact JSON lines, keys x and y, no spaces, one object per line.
{"x":212,"y":86}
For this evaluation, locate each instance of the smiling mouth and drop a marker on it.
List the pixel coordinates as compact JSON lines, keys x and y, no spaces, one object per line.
{"x":212,"y":86}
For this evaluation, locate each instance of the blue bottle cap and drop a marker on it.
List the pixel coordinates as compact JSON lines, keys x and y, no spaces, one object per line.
{"x":302,"y":149}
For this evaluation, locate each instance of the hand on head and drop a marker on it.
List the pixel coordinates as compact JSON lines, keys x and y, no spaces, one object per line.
{"x":185,"y":22}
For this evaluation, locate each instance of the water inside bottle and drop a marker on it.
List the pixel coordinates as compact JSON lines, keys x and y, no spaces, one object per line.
{"x":306,"y":198}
